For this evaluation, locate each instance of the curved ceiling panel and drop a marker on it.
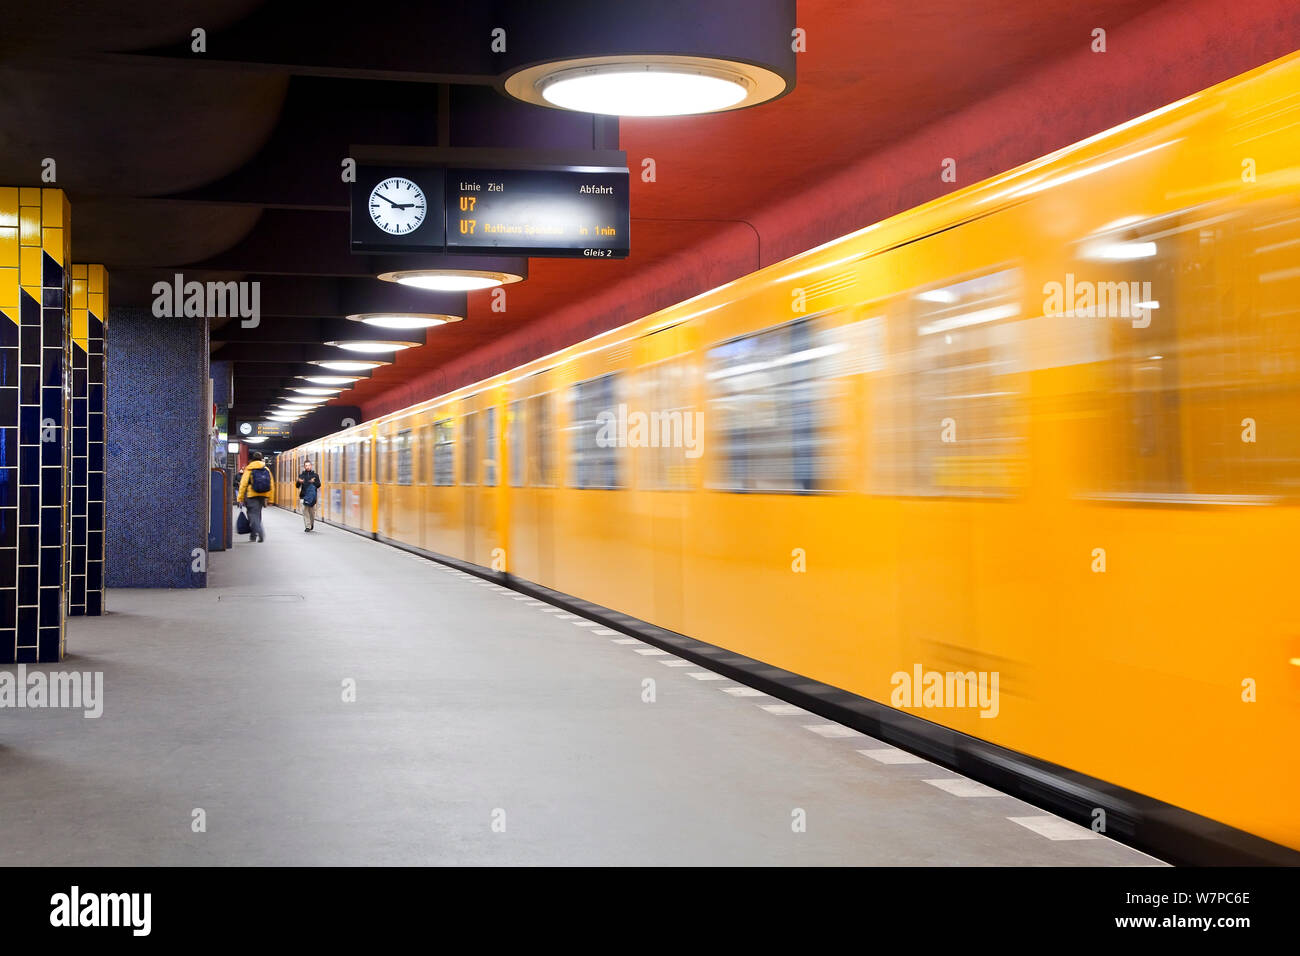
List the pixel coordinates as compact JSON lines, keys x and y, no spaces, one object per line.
{"x":137,"y":128}
{"x":136,"y":233}
{"x":74,"y":25}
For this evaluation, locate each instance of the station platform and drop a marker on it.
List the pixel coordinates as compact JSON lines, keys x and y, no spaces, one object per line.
{"x":487,"y":728}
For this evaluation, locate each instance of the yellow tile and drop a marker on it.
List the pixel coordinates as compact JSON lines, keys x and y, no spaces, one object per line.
{"x":8,"y":206}
{"x":9,"y":289}
{"x":5,"y":310}
{"x":80,"y":329}
{"x":79,"y":270}
{"x":54,"y":208}
{"x":29,"y":226}
{"x":98,"y":279}
{"x":97,"y":305}
{"x":9,"y":248}
{"x":78,"y":292}
{"x":29,"y":196}
{"x":29,"y":266}
{"x":53,"y":241}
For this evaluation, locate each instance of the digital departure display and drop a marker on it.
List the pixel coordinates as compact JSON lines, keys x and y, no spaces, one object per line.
{"x":552,"y":213}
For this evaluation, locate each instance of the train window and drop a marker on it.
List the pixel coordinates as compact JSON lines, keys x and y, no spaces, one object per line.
{"x":947,"y":413}
{"x":424,"y":452}
{"x":469,"y":449}
{"x":336,"y":463}
{"x":541,"y":440}
{"x":1206,"y":353}
{"x":594,"y":439}
{"x":382,"y":447}
{"x":490,"y":449}
{"x":664,"y":425}
{"x":352,"y":463}
{"x":769,"y":412}
{"x":515,"y":442}
{"x":365,"y":460}
{"x":404,"y":457}
{"x":444,"y":441}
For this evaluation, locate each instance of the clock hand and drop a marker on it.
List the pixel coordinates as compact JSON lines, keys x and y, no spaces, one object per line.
{"x":395,"y":205}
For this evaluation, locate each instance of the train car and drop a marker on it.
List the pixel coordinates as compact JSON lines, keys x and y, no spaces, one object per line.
{"x":1044,"y":429}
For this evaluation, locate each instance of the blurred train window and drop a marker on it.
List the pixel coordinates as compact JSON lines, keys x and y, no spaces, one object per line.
{"x":469,"y":449}
{"x":593,"y":444}
{"x":948,"y":414}
{"x":1199,"y":394}
{"x":490,"y":447}
{"x":541,"y":440}
{"x":515,"y":442}
{"x":444,"y":440}
{"x":382,"y":448}
{"x":364,"y":449}
{"x":424,"y":454}
{"x":351,"y":463}
{"x":336,"y":463}
{"x":664,"y":425}
{"x":405,"y":457}
{"x":769,"y":413}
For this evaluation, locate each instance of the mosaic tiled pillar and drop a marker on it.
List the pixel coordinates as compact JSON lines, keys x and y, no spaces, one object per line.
{"x":85,"y":580}
{"x":34,"y":343}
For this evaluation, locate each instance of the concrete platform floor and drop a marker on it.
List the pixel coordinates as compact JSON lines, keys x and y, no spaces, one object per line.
{"x":474,"y":706}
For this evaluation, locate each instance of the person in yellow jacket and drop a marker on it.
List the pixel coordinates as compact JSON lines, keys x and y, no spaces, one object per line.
{"x":255,"y":489}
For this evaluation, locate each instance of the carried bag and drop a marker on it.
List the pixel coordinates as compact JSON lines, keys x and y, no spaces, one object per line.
{"x":309,"y":495}
{"x":261,"y":480}
{"x":241,"y":523}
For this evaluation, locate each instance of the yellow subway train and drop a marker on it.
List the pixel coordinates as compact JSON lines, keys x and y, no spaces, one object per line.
{"x":1044,"y":430}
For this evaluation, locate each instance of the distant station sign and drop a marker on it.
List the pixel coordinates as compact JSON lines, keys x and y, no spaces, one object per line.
{"x":552,"y":213}
{"x":572,"y":211}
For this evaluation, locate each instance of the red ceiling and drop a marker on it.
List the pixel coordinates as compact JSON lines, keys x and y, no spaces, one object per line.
{"x":876,"y":73}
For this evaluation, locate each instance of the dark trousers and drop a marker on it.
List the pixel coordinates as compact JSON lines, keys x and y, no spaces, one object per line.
{"x":254,"y":505}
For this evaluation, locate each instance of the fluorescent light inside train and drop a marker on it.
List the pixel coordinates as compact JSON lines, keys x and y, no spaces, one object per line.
{"x":976,"y":317}
{"x":1123,"y":251}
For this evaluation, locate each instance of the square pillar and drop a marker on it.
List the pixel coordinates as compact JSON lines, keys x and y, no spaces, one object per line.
{"x":86,"y":479}
{"x":34,"y":348}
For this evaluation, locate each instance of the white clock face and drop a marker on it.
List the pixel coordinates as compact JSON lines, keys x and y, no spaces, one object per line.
{"x":397,"y":206}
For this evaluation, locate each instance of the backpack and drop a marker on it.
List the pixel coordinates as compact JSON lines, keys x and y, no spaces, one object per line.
{"x":261,"y":480}
{"x":309,"y":494}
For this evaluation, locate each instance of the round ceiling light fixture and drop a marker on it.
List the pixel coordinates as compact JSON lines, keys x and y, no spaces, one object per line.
{"x":652,"y":85}
{"x":373,"y":346}
{"x":348,"y":365}
{"x":450,"y":280}
{"x":330,"y":379}
{"x":404,"y":320}
{"x":255,"y":439}
{"x":313,"y":390}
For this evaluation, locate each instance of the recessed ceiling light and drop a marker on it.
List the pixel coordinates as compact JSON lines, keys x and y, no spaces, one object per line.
{"x":303,"y":400}
{"x":651,"y":85}
{"x":404,"y":320}
{"x":315,"y":390}
{"x":348,"y":365}
{"x":255,"y":439}
{"x":450,"y":280}
{"x":330,"y":379}
{"x":372,"y":346}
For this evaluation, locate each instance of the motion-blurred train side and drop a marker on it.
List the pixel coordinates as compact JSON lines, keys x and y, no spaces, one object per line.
{"x":1047,"y":426}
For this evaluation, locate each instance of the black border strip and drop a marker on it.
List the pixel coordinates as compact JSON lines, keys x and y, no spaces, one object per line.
{"x":1161,"y":829}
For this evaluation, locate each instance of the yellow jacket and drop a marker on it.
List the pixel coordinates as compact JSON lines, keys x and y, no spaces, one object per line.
{"x":245,"y":485}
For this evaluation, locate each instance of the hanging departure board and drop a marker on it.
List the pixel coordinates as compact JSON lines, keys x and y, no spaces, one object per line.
{"x":549,"y":212}
{"x":553,"y":213}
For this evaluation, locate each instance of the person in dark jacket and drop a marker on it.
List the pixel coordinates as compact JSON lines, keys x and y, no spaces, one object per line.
{"x":308,"y":479}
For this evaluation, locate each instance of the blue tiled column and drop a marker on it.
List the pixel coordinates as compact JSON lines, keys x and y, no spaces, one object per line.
{"x":157,"y":422}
